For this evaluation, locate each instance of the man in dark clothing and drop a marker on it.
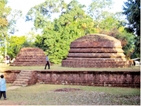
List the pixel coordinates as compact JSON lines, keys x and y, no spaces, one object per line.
{"x":47,"y":62}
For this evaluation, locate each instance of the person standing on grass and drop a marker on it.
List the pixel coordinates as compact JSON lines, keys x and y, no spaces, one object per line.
{"x":47,"y":62}
{"x":2,"y":87}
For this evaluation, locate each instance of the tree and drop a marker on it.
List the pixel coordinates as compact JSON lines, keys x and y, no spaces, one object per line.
{"x":127,"y":40}
{"x":111,"y":24}
{"x":13,"y":16}
{"x":44,"y":12}
{"x":98,"y":8}
{"x":57,"y":35}
{"x":8,"y":20}
{"x":132,"y":11}
{"x":73,"y":23}
{"x":15,"y":43}
{"x":114,"y":28}
{"x":4,"y":12}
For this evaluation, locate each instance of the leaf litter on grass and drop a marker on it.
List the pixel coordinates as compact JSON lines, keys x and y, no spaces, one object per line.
{"x":72,"y":95}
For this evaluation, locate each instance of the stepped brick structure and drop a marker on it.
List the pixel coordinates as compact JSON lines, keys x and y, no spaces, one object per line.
{"x":97,"y":50}
{"x":25,"y":78}
{"x":30,"y":57}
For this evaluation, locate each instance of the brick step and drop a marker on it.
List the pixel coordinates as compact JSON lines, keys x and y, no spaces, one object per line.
{"x":23,"y":78}
{"x":20,"y":82}
{"x":25,"y":74}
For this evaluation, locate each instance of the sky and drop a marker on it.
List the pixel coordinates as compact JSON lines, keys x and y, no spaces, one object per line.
{"x":25,"y":5}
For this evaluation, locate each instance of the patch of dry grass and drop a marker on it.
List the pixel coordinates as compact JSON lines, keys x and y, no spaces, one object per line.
{"x":4,"y":67}
{"x":45,"y":94}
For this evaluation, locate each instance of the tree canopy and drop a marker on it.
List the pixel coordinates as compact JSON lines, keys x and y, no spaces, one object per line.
{"x":4,"y":12}
{"x":71,"y":23}
{"x":58,"y":35}
{"x":8,"y":19}
{"x":132,"y":11}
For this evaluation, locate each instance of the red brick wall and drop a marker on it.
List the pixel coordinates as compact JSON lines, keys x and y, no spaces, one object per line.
{"x":107,"y":78}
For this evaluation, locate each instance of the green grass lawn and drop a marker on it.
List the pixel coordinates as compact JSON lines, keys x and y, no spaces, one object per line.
{"x":46,"y":94}
{"x":4,"y":67}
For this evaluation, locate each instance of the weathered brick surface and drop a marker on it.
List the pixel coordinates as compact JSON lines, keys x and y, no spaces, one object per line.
{"x":96,"y":50}
{"x":96,"y":40}
{"x":11,"y":75}
{"x":93,"y":63}
{"x":17,"y":77}
{"x":108,"y":78}
{"x":30,"y":57}
{"x":105,"y":78}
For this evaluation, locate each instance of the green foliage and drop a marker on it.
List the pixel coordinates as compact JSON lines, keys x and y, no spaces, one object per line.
{"x":136,"y":52}
{"x":98,"y":8}
{"x":127,"y":40}
{"x":15,"y":43}
{"x":58,"y":35}
{"x":132,"y":12}
{"x":112,"y":26}
{"x":4,"y":12}
{"x":12,"y":19}
{"x":74,"y":23}
{"x":43,"y":12}
{"x":7,"y":21}
{"x":109,"y":22}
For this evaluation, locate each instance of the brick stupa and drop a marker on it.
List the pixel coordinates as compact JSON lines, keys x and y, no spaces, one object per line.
{"x":96,"y":50}
{"x":29,"y":56}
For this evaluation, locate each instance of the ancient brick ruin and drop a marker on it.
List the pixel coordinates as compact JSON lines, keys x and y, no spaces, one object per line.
{"x":91,"y":78}
{"x":30,"y":57}
{"x":95,"y":50}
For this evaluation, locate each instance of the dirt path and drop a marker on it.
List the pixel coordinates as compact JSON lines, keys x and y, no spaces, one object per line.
{"x":13,"y":87}
{"x":8,"y":102}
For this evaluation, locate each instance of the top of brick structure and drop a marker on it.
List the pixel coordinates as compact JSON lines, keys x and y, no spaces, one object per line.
{"x":96,"y":40}
{"x":95,"y":50}
{"x":30,"y":56}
